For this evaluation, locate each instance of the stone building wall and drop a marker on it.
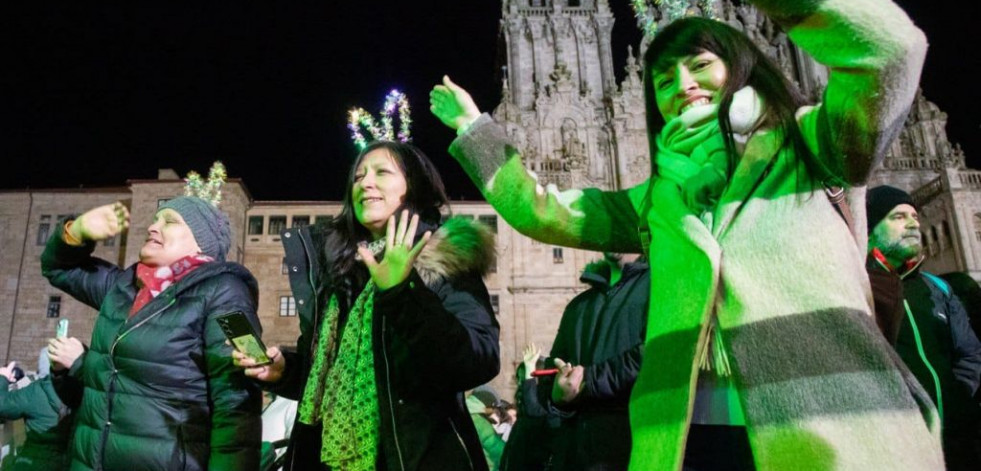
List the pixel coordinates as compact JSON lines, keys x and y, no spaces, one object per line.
{"x":25,"y":323}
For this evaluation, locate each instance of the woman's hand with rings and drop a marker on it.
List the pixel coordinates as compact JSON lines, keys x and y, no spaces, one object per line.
{"x":270,"y":373}
{"x":396,"y":264}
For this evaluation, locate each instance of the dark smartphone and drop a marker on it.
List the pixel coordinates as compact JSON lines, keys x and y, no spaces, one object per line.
{"x":240,"y":333}
{"x":548,"y":372}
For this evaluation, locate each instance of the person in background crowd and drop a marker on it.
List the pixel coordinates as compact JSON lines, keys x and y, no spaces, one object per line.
{"x":490,"y":442}
{"x":529,"y":447}
{"x":599,"y":349}
{"x":47,"y":420}
{"x":934,"y":336}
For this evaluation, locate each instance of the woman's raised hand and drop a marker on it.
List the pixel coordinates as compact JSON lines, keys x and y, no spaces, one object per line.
{"x":270,"y":373}
{"x":530,"y":356}
{"x":100,"y":223}
{"x":396,"y":264}
{"x":452,"y":104}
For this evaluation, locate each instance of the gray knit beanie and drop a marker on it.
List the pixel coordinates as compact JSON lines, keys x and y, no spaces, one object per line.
{"x":210,"y":225}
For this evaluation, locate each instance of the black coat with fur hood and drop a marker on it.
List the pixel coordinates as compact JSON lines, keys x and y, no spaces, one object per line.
{"x":434,"y":336}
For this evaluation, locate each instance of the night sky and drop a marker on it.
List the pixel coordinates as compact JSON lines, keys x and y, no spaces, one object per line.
{"x":95,"y":95}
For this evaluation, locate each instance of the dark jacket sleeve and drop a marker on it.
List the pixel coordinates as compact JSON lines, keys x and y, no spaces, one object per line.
{"x":74,"y":271}
{"x":450,"y":335}
{"x":236,"y":426}
{"x":564,"y":348}
{"x":967,"y":348}
{"x":530,"y":405}
{"x":17,"y":404}
{"x":300,"y":246}
{"x":613,"y":378}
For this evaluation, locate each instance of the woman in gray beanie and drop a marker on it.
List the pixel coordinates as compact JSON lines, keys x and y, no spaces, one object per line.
{"x":160,"y":388}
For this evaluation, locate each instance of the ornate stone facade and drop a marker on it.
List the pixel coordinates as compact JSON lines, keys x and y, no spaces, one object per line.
{"x":560,"y":102}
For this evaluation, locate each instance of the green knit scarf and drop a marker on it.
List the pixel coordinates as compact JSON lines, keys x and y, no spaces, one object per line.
{"x":341,"y":392}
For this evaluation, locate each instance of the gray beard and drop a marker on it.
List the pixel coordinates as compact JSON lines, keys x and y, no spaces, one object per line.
{"x":900,"y":250}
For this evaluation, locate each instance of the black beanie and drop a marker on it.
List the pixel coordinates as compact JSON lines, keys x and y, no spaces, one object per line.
{"x":882,"y":199}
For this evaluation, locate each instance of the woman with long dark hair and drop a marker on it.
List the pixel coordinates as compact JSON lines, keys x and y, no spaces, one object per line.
{"x":395,"y":323}
{"x":760,"y":352}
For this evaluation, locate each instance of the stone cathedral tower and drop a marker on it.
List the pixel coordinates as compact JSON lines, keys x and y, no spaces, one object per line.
{"x":561,"y":104}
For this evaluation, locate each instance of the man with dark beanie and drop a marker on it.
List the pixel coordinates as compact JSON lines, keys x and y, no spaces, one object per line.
{"x":926,"y":323}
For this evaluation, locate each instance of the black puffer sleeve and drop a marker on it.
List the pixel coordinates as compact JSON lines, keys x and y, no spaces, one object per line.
{"x":75,"y":271}
{"x":236,"y":425}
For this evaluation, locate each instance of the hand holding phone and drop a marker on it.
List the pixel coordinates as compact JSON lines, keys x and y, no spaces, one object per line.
{"x":238,"y":330}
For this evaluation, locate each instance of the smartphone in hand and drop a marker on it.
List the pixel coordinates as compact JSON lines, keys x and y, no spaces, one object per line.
{"x":243,"y":337}
{"x":62,"y":331}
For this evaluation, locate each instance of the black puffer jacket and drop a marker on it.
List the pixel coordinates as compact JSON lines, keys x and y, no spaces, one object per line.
{"x":434,"y":336}
{"x":161,"y":391}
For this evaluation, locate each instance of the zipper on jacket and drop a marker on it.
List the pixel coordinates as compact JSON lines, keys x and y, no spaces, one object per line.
{"x":111,"y":390}
{"x":933,"y":373}
{"x":388,"y":391}
{"x":462,"y":443}
{"x":112,"y":349}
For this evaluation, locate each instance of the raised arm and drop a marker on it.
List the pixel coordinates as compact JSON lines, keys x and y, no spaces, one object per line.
{"x":67,"y":262}
{"x":874,"y":53}
{"x":589,"y":218}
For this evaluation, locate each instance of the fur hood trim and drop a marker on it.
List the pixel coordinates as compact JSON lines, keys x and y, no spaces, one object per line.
{"x":461,"y":245}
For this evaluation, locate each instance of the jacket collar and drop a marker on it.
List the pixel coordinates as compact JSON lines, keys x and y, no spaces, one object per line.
{"x":461,"y":245}
{"x":911,"y":266}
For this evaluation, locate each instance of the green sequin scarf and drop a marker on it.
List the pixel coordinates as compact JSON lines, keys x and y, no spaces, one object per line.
{"x":341,"y":392}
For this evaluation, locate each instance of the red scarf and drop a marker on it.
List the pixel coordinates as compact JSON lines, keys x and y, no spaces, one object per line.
{"x":908,"y":266}
{"x":154,"y":280}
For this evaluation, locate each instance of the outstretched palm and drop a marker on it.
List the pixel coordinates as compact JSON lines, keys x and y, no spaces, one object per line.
{"x":452,"y":104}
{"x":396,"y":264}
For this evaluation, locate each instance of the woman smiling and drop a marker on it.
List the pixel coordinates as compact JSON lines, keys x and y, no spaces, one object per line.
{"x":395,"y":323}
{"x":161,"y":391}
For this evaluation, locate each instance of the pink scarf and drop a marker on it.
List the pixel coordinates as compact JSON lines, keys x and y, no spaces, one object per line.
{"x":153,"y":280}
